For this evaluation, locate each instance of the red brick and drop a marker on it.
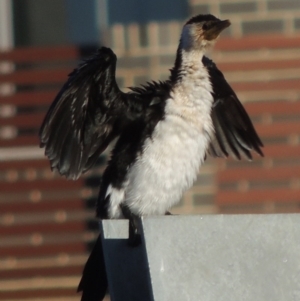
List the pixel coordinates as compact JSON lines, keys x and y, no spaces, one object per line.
{"x":259,"y":65}
{"x":36,"y":54}
{"x":271,"y":41}
{"x":257,"y":196}
{"x":31,"y":98}
{"x":276,"y":85}
{"x":278,"y":129}
{"x":258,"y":174}
{"x":36,"y":77}
{"x":273,"y":107}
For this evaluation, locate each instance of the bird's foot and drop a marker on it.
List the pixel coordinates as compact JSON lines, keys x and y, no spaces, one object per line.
{"x":135,"y":238}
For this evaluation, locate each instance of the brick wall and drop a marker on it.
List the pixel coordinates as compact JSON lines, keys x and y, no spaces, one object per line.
{"x":265,"y":73}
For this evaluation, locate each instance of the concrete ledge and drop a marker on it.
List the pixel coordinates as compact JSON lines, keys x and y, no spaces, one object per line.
{"x":211,"y":258}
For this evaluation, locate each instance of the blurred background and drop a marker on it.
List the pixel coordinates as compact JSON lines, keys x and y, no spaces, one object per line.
{"x":47,"y":223}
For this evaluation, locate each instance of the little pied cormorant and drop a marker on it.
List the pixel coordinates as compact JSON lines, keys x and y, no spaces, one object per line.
{"x":164,"y":131}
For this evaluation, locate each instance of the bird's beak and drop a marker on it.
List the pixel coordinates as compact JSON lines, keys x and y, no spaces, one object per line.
{"x":215,"y":29}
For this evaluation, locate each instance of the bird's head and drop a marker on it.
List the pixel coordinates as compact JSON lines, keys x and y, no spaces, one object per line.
{"x":201,"y":32}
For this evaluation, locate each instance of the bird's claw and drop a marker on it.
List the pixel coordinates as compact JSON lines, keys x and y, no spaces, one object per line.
{"x":134,"y":239}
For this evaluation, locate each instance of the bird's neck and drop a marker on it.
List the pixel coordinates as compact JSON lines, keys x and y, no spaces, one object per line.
{"x":186,"y":62}
{"x":192,"y":58}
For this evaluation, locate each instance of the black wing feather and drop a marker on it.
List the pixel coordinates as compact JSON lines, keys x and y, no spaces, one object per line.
{"x":86,"y":115}
{"x":234,"y":132}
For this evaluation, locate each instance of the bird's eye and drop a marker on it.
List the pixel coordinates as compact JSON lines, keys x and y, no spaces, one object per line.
{"x":205,"y":26}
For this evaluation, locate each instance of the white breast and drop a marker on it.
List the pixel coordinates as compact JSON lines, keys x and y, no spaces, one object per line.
{"x":172,"y":156}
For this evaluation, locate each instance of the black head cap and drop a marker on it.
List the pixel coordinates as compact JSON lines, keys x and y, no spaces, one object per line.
{"x":202,"y":18}
{"x":210,"y":26}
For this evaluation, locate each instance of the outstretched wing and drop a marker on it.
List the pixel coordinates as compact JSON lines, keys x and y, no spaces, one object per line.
{"x":86,"y":115}
{"x":234,"y":131}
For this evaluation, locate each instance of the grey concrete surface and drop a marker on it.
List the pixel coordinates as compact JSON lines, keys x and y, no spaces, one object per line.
{"x":209,"y":258}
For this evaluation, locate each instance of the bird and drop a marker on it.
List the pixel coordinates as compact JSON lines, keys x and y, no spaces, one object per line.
{"x":164,"y":130}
